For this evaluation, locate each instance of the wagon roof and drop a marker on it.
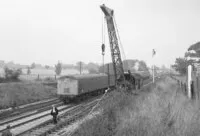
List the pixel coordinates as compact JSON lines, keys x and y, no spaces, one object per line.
{"x":82,"y":76}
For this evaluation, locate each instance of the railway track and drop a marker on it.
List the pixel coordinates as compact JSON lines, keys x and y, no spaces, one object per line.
{"x":65,"y":119}
{"x":26,"y":112}
{"x":39,"y":122}
{"x":27,"y":108}
{"x":22,"y":123}
{"x":33,"y":120}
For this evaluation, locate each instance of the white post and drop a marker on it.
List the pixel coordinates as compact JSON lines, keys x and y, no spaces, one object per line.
{"x":189,"y":80}
{"x":153,"y":74}
{"x":103,"y":61}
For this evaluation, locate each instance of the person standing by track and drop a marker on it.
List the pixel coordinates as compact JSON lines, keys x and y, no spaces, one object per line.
{"x":54,"y":113}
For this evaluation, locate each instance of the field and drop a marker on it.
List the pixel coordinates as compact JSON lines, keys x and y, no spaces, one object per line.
{"x":42,"y":73}
{"x":47,"y":73}
{"x":29,"y":89}
{"x":160,"y":110}
{"x":15,"y":94}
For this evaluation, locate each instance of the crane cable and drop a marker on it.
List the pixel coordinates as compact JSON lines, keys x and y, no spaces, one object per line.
{"x":117,"y":32}
{"x":103,"y":29}
{"x":120,"y":43}
{"x":103,"y":40}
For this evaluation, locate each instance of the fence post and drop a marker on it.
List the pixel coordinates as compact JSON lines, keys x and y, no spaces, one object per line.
{"x":192,"y":90}
{"x":197,"y":87}
{"x":55,"y":77}
{"x":185,"y":89}
{"x":182,"y":86}
{"x":38,"y":76}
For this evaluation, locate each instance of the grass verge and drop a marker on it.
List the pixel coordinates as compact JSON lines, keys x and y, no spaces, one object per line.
{"x":163,"y":111}
{"x":15,"y":94}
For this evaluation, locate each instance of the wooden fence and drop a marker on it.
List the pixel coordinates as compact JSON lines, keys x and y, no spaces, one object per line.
{"x":194,"y":91}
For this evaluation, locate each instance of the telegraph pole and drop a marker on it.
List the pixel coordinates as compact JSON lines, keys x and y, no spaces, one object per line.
{"x":80,"y":67}
{"x":153,"y":54}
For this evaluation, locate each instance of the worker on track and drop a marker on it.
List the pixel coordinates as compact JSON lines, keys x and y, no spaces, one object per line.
{"x":54,"y":113}
{"x":7,"y":132}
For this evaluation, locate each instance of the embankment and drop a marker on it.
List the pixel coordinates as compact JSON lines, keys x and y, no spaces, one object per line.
{"x":162,"y":110}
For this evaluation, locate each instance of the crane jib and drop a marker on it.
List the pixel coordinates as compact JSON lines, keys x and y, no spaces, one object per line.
{"x":114,"y":46}
{"x":107,"y":11}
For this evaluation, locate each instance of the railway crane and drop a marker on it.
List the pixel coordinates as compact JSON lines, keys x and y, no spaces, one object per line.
{"x":120,"y":78}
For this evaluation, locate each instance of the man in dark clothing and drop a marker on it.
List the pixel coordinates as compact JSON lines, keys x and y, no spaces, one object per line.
{"x":54,"y":113}
{"x":7,"y":132}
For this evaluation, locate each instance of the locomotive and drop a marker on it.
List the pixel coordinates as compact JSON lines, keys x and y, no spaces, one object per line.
{"x":73,"y":86}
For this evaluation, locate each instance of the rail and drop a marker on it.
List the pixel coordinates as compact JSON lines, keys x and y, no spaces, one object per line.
{"x":47,"y":127}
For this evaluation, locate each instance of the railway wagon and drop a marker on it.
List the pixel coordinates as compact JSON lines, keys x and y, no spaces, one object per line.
{"x":69,"y":87}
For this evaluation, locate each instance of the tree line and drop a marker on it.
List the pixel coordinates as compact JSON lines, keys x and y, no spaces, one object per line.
{"x":191,"y":57}
{"x":12,"y":74}
{"x":94,"y":68}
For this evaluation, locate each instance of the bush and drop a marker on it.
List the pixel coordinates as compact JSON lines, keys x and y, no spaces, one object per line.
{"x":11,"y":74}
{"x":1,"y":79}
{"x":49,"y":79}
{"x":93,"y":71}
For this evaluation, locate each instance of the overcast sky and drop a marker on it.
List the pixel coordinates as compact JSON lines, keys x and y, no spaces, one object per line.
{"x":45,"y":31}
